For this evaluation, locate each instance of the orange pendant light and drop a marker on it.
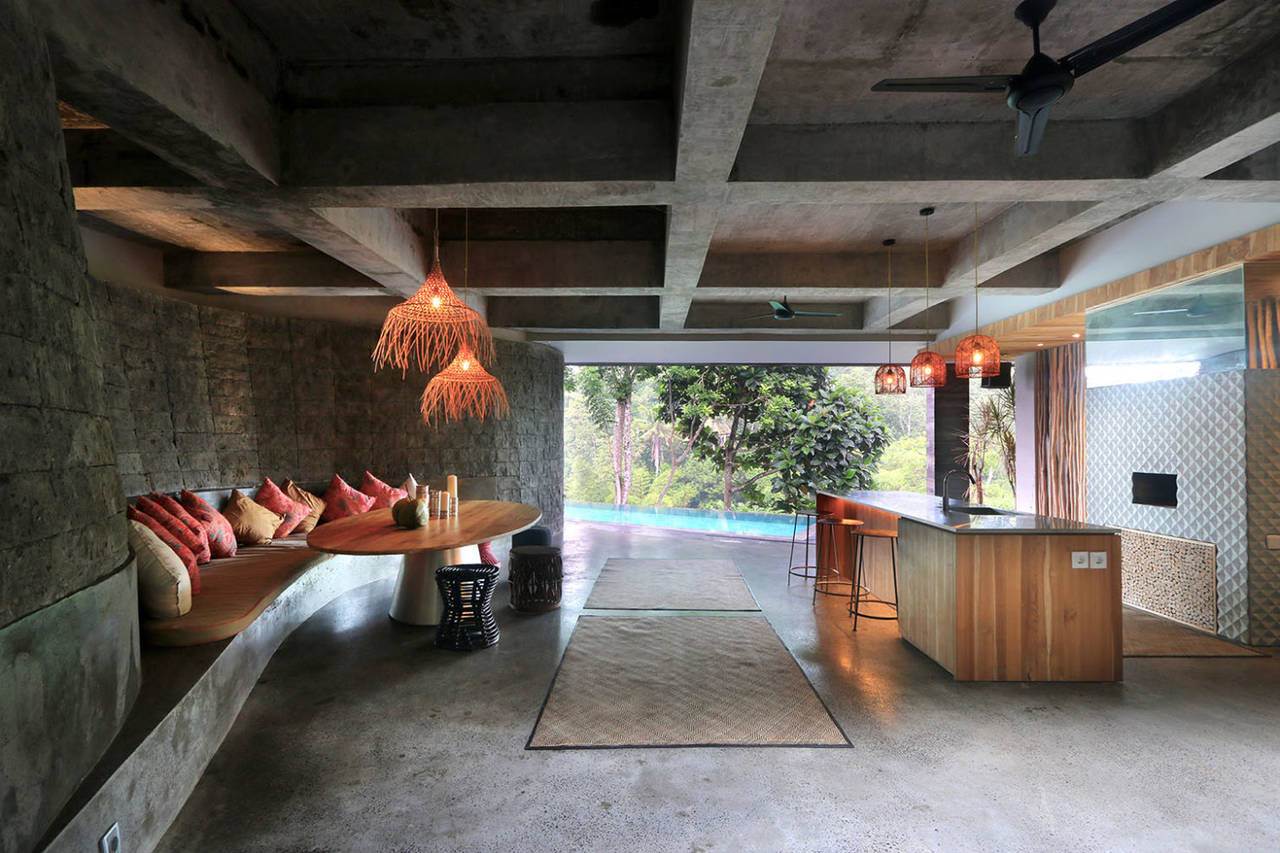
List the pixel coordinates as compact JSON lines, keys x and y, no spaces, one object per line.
{"x":890,"y":378}
{"x":928,"y":368}
{"x":464,"y":387}
{"x":978,"y":356}
{"x":427,"y":328}
{"x":461,"y":389}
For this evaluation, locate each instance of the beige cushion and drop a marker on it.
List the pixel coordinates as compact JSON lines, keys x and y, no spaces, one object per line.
{"x":302,"y":496}
{"x":252,"y":522}
{"x":164,"y":587}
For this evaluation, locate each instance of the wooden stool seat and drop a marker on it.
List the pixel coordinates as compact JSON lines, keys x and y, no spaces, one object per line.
{"x":835,"y":579}
{"x":878,"y":533}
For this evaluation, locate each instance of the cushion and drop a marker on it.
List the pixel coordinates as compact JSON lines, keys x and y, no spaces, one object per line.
{"x":252,"y":523}
{"x":198,"y":544}
{"x":164,"y":587}
{"x":383,"y":495}
{"x":486,"y":554}
{"x":293,"y":512}
{"x":340,"y":501}
{"x":302,"y":496}
{"x":179,"y":512}
{"x":222,"y":539}
{"x":410,"y":486}
{"x":162,"y":533}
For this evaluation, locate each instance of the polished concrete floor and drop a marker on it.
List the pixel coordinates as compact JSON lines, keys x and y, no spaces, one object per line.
{"x":361,"y":736}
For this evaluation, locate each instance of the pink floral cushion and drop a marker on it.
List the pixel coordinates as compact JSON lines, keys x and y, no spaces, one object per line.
{"x":486,"y":554}
{"x":383,"y":495}
{"x":197,"y":543}
{"x":222,"y":539}
{"x":162,"y":532}
{"x":340,"y":500}
{"x":293,"y":513}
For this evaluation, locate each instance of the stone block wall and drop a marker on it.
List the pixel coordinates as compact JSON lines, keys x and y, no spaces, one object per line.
{"x":207,"y":398}
{"x":68,"y":607}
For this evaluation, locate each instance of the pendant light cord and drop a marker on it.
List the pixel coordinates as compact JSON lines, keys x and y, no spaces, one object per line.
{"x":928,"y":330}
{"x":975,"y":268}
{"x":435,"y":237}
{"x":466,"y":254}
{"x":889,"y":248}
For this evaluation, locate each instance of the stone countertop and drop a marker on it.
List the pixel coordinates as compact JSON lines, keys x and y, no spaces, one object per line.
{"x":927,"y":509}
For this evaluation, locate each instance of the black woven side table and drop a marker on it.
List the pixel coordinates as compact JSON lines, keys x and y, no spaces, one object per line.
{"x":467,"y":593}
{"x":537,"y":576}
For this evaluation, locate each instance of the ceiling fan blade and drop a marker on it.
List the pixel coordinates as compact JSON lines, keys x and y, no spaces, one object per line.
{"x":757,"y":316}
{"x":778,"y":306}
{"x":1030,"y":131}
{"x":1139,"y":32}
{"x":815,"y":314}
{"x":981,"y":84}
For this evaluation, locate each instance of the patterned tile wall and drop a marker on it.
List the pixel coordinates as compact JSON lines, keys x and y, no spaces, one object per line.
{"x":1170,"y":576}
{"x":1193,"y":427}
{"x":1262,"y":447}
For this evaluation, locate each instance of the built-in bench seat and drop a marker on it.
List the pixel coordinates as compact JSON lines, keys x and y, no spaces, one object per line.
{"x":235,"y":592}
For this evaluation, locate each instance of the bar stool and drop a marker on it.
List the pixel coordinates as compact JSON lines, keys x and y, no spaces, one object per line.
{"x":856,"y":598}
{"x":832,"y":525}
{"x":801,"y":570}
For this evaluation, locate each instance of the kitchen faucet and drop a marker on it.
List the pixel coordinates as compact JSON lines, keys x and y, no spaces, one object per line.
{"x":946,"y":481}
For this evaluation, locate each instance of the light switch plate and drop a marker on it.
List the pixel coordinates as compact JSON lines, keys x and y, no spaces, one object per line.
{"x":110,"y":841}
{"x":1079,"y":559}
{"x":1097,"y":559}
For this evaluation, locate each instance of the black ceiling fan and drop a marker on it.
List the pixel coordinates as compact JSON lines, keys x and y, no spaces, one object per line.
{"x":1044,"y":81}
{"x":783,"y":311}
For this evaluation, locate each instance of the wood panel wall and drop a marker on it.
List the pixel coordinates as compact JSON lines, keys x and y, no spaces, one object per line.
{"x":877,"y":567}
{"x":927,"y":591}
{"x":1060,"y":432}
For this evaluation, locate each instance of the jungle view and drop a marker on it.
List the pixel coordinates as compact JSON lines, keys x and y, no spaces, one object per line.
{"x":759,"y":438}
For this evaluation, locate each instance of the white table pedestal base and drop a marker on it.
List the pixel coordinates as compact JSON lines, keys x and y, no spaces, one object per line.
{"x":417,"y":598}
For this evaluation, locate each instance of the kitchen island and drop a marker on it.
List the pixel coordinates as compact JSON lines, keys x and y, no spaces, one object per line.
{"x":991,"y":595}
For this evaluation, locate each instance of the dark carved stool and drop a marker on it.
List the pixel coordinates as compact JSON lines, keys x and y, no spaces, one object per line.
{"x":537,"y":575}
{"x":467,"y":592}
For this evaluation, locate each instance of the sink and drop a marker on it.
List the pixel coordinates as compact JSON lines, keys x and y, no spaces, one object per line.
{"x":979,"y":510}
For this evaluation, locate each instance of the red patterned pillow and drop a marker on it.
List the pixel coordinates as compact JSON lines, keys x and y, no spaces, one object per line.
{"x":340,"y":501}
{"x":270,"y":496}
{"x":222,"y":539}
{"x":199,"y":544}
{"x":486,"y":554}
{"x":183,"y":552}
{"x":383,"y":495}
{"x":179,"y":512}
{"x":173,"y":525}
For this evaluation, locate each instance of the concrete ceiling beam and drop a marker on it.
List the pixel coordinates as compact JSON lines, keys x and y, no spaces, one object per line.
{"x":728,"y":315}
{"x":195,"y":86}
{"x":724,"y":47}
{"x":550,"y":264}
{"x":576,"y":312}
{"x":831,"y":270}
{"x":269,"y":272}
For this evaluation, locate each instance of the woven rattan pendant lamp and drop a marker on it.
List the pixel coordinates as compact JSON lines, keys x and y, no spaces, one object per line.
{"x":425,"y":330}
{"x":464,"y":388}
{"x":890,"y":377}
{"x":978,"y":356}
{"x":928,"y":369}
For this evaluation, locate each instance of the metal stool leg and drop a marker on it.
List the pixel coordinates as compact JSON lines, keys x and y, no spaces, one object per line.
{"x":855,"y":595}
{"x":791,"y":556}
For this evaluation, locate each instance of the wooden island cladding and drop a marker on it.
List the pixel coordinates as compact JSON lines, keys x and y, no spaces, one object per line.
{"x":1004,"y":606}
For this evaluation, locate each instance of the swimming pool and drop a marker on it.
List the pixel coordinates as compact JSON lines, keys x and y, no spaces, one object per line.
{"x":732,"y":523}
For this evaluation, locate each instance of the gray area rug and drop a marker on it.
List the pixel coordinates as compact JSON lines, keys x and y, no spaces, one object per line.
{"x":635,"y":584}
{"x":677,"y":680}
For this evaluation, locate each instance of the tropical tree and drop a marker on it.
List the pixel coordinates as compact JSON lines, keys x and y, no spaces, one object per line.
{"x":734,"y":415}
{"x":991,"y":431}
{"x":832,"y":443}
{"x":607,"y":393}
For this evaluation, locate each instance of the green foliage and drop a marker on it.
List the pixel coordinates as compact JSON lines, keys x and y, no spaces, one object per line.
{"x":833,"y":443}
{"x":903,"y":466}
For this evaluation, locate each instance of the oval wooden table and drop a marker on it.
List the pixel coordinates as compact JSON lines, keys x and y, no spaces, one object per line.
{"x":437,"y":543}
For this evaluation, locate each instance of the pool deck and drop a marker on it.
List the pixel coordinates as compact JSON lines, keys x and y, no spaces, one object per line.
{"x":362,"y":736}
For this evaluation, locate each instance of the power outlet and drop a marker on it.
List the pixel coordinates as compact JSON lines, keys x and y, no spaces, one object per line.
{"x":1079,"y":559}
{"x":1097,"y":559}
{"x":110,"y":842}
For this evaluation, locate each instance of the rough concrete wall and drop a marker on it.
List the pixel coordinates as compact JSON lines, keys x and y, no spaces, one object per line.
{"x":63,"y":551}
{"x":205,"y":398}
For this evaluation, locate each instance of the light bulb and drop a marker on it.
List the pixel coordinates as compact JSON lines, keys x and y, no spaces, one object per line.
{"x":928,"y":371}
{"x":977,"y":357}
{"x":435,"y":302}
{"x":466,"y":365}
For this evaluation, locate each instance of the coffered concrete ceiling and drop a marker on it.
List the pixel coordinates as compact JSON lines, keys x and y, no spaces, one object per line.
{"x":641,"y":169}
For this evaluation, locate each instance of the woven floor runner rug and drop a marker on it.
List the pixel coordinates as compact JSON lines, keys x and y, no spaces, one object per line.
{"x":638,"y":584}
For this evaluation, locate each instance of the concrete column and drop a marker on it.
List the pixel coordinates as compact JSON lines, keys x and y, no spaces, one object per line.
{"x":947,"y":410}
{"x":1024,"y":415}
